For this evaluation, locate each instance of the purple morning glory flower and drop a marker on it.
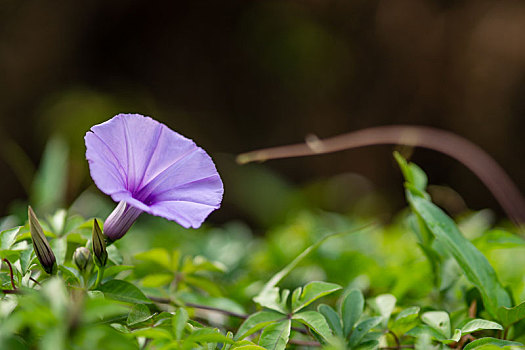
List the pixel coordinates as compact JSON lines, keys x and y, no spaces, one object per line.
{"x":147,"y":167}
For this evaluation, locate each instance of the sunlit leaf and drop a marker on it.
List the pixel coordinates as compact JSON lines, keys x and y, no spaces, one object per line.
{"x":315,"y":321}
{"x":479,"y":324}
{"x":275,"y":336}
{"x":138,"y":313}
{"x":256,"y":322}
{"x":479,"y":343}
{"x":123,"y":291}
{"x":311,"y":292}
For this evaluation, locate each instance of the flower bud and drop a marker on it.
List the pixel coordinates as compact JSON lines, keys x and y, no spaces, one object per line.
{"x":100,"y":255}
{"x":81,"y":258}
{"x":120,"y":220}
{"x":40,"y":245}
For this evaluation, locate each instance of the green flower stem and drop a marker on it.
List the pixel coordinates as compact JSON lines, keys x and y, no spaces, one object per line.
{"x":100,"y":274}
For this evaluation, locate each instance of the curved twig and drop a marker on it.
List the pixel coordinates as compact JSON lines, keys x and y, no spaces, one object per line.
{"x":466,"y":152}
{"x":10,"y":273}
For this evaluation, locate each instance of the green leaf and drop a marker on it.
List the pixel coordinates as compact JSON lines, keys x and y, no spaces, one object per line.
{"x":479,"y":324}
{"x":228,"y":346}
{"x":97,"y":308}
{"x":49,"y":186}
{"x":509,"y":316}
{"x":438,"y":320}
{"x":156,"y":280}
{"x":158,"y":256}
{"x":311,"y":292}
{"x":424,"y":330}
{"x":351,"y":310}
{"x":498,"y":238}
{"x":455,"y":337}
{"x":114,"y":255}
{"x":246,"y":345}
{"x":332,"y":318}
{"x":178,"y":322}
{"x":256,"y":322}
{"x":59,"y":247}
{"x":474,"y":264}
{"x":367,"y":345}
{"x":405,"y":320}
{"x":116,"y":269}
{"x":269,"y":291}
{"x":138,"y":313}
{"x":361,"y":329}
{"x":413,"y":174}
{"x":205,"y":335}
{"x":8,"y":237}
{"x":276,"y":335}
{"x":123,"y":291}
{"x":274,"y":299}
{"x":477,"y":344}
{"x":315,"y":321}
{"x":201,"y":264}
{"x":385,"y":304}
{"x":203,"y":283}
{"x":69,"y":273}
{"x":152,"y":333}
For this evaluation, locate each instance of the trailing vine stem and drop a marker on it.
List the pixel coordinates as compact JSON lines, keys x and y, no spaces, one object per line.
{"x":243,"y":316}
{"x":10,"y":273}
{"x":472,"y":156}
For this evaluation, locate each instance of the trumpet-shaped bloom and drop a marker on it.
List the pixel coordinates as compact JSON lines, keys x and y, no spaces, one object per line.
{"x":147,"y":167}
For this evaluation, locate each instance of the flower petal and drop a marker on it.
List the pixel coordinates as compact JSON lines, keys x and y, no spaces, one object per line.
{"x":142,"y":162}
{"x":187,"y":214}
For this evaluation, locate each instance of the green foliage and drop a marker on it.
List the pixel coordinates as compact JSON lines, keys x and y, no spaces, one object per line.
{"x":322,"y":279}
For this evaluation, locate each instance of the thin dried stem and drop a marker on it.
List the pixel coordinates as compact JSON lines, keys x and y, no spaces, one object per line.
{"x":472,"y":156}
{"x":396,"y":339}
{"x":10,"y":273}
{"x":210,"y":308}
{"x":35,"y":281}
{"x":11,"y":291}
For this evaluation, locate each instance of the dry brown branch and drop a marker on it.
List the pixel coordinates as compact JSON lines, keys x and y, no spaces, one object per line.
{"x":466,"y":152}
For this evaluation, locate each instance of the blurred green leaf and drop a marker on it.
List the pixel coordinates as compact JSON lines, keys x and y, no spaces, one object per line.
{"x":123,"y":291}
{"x":480,"y":343}
{"x":158,"y":256}
{"x":50,"y":183}
{"x":405,"y":320}
{"x":157,"y":280}
{"x":509,"y":316}
{"x":384,"y":304}
{"x":179,"y":322}
{"x":8,"y":237}
{"x":478,"y":325}
{"x":439,"y":320}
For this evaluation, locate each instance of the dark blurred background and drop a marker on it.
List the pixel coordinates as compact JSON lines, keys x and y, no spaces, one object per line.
{"x":240,"y":75}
